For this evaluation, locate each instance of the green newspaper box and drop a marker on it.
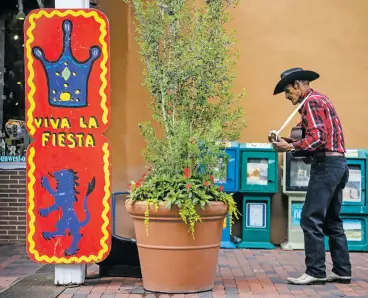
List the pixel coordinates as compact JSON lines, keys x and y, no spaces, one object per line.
{"x":258,"y":183}
{"x":354,"y":211}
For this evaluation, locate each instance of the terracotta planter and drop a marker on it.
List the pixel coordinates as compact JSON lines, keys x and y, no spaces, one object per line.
{"x":171,"y":260}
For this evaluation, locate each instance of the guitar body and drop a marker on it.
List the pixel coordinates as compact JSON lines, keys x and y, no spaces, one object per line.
{"x":297,"y":133}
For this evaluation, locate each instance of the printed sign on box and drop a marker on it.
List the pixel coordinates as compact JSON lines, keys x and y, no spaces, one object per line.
{"x":256,"y":215}
{"x":353,"y":229}
{"x":69,"y":161}
{"x":296,"y":211}
{"x":257,"y":171}
{"x":352,"y":190}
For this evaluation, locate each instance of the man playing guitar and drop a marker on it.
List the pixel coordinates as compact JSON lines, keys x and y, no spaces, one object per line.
{"x":323,"y":141}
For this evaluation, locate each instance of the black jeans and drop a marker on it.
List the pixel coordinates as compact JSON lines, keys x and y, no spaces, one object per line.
{"x":321,"y":216}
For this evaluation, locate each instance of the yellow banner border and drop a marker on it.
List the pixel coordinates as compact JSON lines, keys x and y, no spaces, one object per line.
{"x":32,"y":167}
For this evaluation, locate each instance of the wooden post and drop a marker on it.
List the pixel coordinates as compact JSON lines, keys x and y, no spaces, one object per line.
{"x":73,"y":273}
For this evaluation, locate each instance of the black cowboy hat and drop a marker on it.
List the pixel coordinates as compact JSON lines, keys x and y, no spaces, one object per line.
{"x":294,"y":74}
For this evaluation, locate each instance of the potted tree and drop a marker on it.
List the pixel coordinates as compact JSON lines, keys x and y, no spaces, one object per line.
{"x":177,"y":208}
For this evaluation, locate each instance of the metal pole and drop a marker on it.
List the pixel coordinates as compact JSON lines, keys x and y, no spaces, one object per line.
{"x":40,"y":4}
{"x":61,"y":4}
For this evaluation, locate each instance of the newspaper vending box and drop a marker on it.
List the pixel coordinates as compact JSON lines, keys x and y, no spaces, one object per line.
{"x":258,"y":183}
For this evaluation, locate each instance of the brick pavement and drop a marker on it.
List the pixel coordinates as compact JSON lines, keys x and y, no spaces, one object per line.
{"x":14,"y":264}
{"x":241,"y":273}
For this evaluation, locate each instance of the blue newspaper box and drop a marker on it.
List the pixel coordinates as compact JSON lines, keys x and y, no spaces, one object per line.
{"x":231,"y":179}
{"x":230,"y":183}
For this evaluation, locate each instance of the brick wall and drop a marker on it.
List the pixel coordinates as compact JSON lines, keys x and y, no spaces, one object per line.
{"x":12,"y":205}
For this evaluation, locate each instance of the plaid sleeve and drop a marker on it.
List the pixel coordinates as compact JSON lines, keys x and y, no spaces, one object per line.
{"x":315,"y":129}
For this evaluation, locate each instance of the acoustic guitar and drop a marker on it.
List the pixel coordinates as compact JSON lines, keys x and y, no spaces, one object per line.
{"x":297,"y":133}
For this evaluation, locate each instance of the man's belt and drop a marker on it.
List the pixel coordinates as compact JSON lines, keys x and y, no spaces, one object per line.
{"x":329,"y":153}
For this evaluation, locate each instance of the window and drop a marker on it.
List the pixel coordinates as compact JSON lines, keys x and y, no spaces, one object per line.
{"x":13,"y":135}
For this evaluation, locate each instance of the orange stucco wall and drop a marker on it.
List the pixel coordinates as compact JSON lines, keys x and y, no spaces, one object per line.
{"x":328,"y":36}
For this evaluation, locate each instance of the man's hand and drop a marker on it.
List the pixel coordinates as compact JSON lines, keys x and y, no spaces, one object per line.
{"x":272,"y":136}
{"x":278,"y":143}
{"x":282,"y":145}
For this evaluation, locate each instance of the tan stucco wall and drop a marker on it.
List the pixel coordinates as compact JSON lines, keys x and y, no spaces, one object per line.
{"x":327,"y":36}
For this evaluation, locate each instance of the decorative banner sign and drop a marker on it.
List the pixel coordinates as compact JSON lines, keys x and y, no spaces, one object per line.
{"x":67,"y":111}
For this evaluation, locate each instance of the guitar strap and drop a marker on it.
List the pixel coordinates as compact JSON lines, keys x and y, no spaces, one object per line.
{"x":292,"y":115}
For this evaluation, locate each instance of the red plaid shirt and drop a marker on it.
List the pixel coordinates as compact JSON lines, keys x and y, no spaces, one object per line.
{"x":323,"y":130}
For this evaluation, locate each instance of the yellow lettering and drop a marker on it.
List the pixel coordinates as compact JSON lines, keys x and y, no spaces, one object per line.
{"x":90,"y":141}
{"x":71,"y":139}
{"x":65,"y":123}
{"x":45,"y":138}
{"x":38,"y":122}
{"x":82,"y":123}
{"x":55,"y":123}
{"x":54,"y":140}
{"x":92,"y":123}
{"x":61,"y":139}
{"x":79,"y":137}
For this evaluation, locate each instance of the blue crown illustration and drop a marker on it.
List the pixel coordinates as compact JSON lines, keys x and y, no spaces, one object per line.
{"x":67,"y":78}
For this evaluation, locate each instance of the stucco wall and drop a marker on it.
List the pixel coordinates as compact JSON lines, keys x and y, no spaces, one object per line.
{"x":326,"y":36}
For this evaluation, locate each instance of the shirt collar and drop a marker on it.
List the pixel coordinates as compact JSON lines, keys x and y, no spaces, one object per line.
{"x":308,"y":92}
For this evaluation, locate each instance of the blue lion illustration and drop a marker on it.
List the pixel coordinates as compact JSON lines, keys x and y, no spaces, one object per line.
{"x":65,"y":196}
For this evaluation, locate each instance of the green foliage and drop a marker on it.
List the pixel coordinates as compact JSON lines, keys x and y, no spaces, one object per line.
{"x":188,"y":59}
{"x":184,"y":191}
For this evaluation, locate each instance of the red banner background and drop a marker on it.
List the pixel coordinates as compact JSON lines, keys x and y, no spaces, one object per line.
{"x":67,"y":137}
